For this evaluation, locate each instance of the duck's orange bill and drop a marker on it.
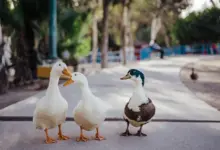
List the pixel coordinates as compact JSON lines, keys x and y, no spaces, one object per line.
{"x":66,"y":73}
{"x":68,"y":82}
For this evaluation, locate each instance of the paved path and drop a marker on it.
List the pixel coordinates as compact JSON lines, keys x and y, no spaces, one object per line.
{"x":207,"y":86}
{"x":172,"y":99}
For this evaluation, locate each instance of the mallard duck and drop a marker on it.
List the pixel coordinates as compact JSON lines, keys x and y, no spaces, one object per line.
{"x":193,"y":75}
{"x":90,"y":112}
{"x":140,"y":109}
{"x":50,"y":110}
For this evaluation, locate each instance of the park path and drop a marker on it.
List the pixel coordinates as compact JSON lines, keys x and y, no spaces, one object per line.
{"x":172,"y":99}
{"x":207,"y":87}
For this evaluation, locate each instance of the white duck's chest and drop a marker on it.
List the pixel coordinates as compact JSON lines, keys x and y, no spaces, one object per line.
{"x":87,"y":116}
{"x":59,"y":104}
{"x":83,"y":116}
{"x":83,"y":108}
{"x":55,"y":104}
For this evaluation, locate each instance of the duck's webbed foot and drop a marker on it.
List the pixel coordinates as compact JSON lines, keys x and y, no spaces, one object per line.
{"x":126,"y":133}
{"x":49,"y":140}
{"x":60,"y":134}
{"x":82,"y":137}
{"x":139,"y":132}
{"x":98,"y":137}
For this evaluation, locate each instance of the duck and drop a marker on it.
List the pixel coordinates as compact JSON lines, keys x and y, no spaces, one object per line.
{"x":90,"y":111}
{"x":139,"y":110}
{"x":194,"y":76}
{"x":51,"y":109}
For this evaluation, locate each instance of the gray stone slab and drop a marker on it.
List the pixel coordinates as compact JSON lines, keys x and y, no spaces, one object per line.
{"x":161,"y":136}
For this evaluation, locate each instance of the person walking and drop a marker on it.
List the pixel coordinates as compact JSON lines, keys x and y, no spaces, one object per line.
{"x":154,"y":46}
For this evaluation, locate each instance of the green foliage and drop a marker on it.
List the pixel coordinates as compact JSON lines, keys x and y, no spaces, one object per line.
{"x":75,"y":29}
{"x":198,"y":27}
{"x":143,"y":33}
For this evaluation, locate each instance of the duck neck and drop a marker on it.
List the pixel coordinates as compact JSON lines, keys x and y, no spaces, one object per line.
{"x":86,"y":92}
{"x":53,"y":85}
{"x":138,"y":87}
{"x":139,"y":93}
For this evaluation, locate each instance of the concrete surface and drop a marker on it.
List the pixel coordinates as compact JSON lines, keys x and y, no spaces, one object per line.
{"x":172,"y":99}
{"x":207,"y":86}
{"x":161,"y":136}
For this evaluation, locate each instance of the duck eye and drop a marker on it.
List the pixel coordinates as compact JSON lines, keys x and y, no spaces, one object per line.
{"x":59,"y":64}
{"x":75,"y":74}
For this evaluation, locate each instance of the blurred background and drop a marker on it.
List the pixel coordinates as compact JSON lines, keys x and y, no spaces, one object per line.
{"x":95,"y":34}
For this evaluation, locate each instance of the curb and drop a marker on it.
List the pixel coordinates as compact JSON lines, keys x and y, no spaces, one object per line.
{"x":29,"y":118}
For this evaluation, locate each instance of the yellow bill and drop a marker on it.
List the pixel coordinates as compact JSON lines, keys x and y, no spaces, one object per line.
{"x":66,"y":73}
{"x":126,"y":77}
{"x":68,"y":82}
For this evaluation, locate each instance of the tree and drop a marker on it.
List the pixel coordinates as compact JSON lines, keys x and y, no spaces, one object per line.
{"x":161,"y":10}
{"x":126,"y":33}
{"x":203,"y":26}
{"x":213,"y":3}
{"x":104,"y":47}
{"x":95,"y":18}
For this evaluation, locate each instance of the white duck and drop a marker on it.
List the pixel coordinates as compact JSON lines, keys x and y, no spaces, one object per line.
{"x":51,"y":110}
{"x":90,"y":112}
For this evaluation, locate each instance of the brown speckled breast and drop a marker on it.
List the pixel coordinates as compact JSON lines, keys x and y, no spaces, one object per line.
{"x":147,"y":111}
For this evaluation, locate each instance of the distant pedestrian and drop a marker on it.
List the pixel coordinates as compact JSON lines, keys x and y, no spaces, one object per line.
{"x":157,"y":48}
{"x":214,"y":48}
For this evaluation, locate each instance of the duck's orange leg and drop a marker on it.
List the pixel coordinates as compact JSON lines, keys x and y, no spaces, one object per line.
{"x":60,"y":134}
{"x":97,"y":136}
{"x":49,"y":140}
{"x":82,"y":137}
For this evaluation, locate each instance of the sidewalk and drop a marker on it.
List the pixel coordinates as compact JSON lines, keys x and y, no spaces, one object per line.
{"x":172,"y":100}
{"x":207,"y":87}
{"x":21,"y":93}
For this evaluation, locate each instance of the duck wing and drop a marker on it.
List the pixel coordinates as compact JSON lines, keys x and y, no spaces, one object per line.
{"x":147,"y":111}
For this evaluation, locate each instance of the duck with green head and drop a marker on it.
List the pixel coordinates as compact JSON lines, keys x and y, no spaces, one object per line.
{"x":140,"y":109}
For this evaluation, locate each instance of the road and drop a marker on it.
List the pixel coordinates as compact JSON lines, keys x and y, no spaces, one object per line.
{"x":174,"y":102}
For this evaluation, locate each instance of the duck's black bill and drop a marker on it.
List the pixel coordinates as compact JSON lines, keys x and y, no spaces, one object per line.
{"x":126,"y":77}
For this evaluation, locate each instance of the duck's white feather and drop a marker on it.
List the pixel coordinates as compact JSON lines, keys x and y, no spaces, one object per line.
{"x":91,"y":109}
{"x":51,"y":109}
{"x":138,"y":97}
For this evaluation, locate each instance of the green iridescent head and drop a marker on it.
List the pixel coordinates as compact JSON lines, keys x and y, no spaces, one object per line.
{"x":135,"y":75}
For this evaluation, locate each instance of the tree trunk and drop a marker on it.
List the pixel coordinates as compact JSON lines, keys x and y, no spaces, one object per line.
{"x":3,"y":69}
{"x":125,"y":35}
{"x":166,"y":33}
{"x":94,"y":38}
{"x":104,"y":50}
{"x":167,"y":40}
{"x":213,"y":3}
{"x":32,"y":58}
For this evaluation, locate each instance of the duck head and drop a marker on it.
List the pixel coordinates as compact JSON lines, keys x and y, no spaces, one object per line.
{"x":135,"y":75}
{"x":77,"y":77}
{"x":58,"y":69}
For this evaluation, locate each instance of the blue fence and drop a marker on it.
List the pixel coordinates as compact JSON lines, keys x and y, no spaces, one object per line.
{"x":145,"y":53}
